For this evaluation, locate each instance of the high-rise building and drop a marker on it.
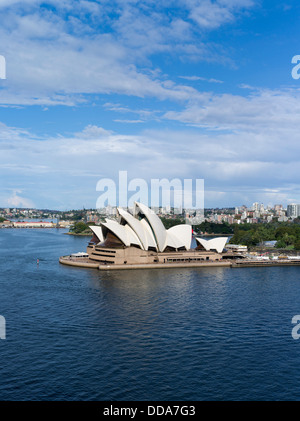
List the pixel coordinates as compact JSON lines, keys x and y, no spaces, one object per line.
{"x":278,"y":208}
{"x":293,"y":210}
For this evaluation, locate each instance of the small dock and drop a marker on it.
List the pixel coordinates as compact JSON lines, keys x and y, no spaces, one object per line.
{"x":83,"y":262}
{"x":264,"y":263}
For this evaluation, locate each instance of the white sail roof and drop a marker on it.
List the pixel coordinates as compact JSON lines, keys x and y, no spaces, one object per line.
{"x":148,"y":232}
{"x":138,"y":228}
{"x":123,"y":232}
{"x":217,"y":244}
{"x":183,"y":235}
{"x":172,"y":241}
{"x":157,"y":226}
{"x":98,"y":232}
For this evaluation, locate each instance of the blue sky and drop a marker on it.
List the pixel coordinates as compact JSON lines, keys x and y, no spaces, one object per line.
{"x":169,"y":89}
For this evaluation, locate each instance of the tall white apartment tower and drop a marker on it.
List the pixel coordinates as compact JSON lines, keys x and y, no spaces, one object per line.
{"x":293,"y":210}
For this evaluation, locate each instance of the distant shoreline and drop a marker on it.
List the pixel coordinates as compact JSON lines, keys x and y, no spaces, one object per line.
{"x":214,"y":235}
{"x":31,"y":228}
{"x":79,"y":234}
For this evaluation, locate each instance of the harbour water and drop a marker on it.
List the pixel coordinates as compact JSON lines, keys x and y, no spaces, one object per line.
{"x":188,"y":334}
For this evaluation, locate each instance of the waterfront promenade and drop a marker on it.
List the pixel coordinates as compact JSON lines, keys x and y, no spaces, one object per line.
{"x":85,"y":262}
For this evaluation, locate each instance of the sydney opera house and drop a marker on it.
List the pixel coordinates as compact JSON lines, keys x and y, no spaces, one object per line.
{"x":140,"y":239}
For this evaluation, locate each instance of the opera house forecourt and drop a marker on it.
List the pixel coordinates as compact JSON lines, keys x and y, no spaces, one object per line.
{"x":140,"y":240}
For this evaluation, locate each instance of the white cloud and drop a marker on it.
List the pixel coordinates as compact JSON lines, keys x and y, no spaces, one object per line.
{"x":93,"y":132}
{"x":129,"y":121}
{"x":58,"y":56}
{"x":242,"y":164}
{"x":211,"y":15}
{"x":196,"y":78}
{"x":10,"y":3}
{"x":51,"y":75}
{"x":17,"y":201}
{"x":262,"y":111}
{"x":67,"y":54}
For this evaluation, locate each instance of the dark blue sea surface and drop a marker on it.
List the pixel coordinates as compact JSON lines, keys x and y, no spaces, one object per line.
{"x":184,"y":334}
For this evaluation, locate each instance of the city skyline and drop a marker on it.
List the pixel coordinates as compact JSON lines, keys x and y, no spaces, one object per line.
{"x":256,"y":206}
{"x":184,"y":89}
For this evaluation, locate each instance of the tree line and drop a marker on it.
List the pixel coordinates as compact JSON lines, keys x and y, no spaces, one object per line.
{"x":286,"y":235}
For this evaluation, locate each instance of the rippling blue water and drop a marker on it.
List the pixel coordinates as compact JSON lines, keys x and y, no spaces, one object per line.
{"x":187,"y":334}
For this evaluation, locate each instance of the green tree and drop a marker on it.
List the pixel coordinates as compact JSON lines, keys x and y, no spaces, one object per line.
{"x":79,"y":227}
{"x":280,"y":244}
{"x":168,"y":222}
{"x":297,"y":244}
